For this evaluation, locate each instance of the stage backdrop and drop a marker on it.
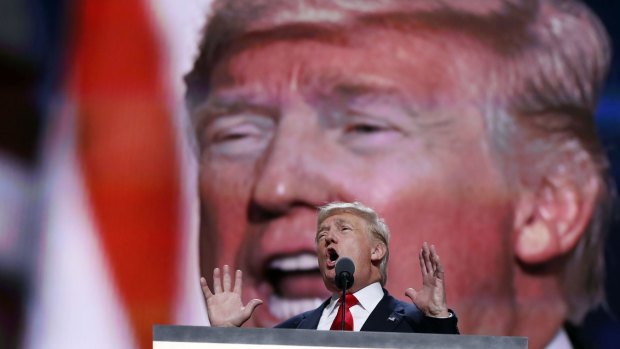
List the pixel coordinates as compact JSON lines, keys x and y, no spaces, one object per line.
{"x":99,"y":235}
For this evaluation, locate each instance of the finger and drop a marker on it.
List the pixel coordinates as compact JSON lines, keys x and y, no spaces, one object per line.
{"x":434,"y":254}
{"x":412,"y":294}
{"x":205,"y":288}
{"x":249,"y":308}
{"x":226,"y":278}
{"x":427,"y":259}
{"x":217,"y":283}
{"x":433,"y":257}
{"x":238,"y":282}
{"x":438,"y":266}
{"x":422,"y":264}
{"x":436,"y":261}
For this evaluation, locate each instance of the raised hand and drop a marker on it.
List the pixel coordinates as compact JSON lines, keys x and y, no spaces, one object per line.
{"x":224,"y":306}
{"x":431,"y":299}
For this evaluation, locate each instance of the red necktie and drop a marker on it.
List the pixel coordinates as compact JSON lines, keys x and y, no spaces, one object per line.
{"x":349,"y":301}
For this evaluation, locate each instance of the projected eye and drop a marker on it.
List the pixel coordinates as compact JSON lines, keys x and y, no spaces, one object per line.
{"x":235,"y":133}
{"x":364,"y":128}
{"x":363,"y":132}
{"x":238,"y":135}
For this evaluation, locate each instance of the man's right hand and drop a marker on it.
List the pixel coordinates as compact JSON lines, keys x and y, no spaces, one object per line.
{"x":224,"y":306}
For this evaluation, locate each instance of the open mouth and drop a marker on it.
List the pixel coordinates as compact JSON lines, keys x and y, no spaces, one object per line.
{"x":296,"y":284}
{"x":332,"y":254}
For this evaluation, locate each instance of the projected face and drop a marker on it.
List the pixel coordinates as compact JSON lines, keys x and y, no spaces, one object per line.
{"x":293,"y":124}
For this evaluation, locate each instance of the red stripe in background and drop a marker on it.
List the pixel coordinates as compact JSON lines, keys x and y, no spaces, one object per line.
{"x":127,"y":151}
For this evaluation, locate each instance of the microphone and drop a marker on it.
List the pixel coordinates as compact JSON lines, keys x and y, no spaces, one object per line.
{"x":344,"y":273}
{"x":344,"y":280}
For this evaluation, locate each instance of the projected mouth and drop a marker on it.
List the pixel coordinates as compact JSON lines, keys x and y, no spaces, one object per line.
{"x":296,"y":284}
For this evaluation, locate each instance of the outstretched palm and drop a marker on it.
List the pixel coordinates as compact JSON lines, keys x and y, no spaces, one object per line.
{"x":431,"y":298}
{"x":224,"y":305}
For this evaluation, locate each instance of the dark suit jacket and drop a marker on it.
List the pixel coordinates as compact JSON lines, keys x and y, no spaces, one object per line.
{"x":390,"y":315}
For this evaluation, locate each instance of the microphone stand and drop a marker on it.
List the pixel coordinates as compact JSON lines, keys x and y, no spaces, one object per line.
{"x":344,"y":303}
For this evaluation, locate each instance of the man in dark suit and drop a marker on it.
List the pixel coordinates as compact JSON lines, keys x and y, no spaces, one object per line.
{"x":355,"y":231}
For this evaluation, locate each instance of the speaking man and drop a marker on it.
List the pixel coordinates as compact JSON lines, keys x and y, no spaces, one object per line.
{"x":465,"y":123}
{"x":354,"y":231}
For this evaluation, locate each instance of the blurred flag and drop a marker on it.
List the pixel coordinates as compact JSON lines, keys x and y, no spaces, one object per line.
{"x":118,"y":250}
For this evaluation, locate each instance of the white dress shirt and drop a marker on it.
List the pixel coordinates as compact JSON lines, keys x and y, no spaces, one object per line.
{"x":368,"y":298}
{"x":560,"y":341}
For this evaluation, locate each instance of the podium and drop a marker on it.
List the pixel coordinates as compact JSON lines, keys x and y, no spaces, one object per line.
{"x":197,"y":337}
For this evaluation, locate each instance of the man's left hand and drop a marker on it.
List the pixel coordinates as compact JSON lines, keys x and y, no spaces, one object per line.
{"x":431,"y":299}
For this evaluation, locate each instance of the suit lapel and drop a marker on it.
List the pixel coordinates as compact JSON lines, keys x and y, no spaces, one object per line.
{"x":310,"y":321}
{"x":386,"y":315}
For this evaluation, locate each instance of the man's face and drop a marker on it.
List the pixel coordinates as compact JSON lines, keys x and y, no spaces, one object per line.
{"x":389,"y":120}
{"x":346,"y":235}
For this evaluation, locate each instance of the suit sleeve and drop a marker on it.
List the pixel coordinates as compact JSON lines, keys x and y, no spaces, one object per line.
{"x":439,"y":325}
{"x":290,"y":323}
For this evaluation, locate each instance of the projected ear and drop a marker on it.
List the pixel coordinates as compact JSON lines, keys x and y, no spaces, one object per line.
{"x":556,"y":218}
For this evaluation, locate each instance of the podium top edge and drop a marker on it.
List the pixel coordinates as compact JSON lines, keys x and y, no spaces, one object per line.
{"x":269,"y":336}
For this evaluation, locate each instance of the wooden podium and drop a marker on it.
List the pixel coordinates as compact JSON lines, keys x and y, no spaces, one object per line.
{"x":196,"y":337}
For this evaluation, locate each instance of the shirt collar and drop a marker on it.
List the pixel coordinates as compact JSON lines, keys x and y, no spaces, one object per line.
{"x":560,"y":341}
{"x":368,"y":297}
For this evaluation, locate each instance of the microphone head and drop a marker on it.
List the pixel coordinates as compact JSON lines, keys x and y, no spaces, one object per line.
{"x":345,"y":264}
{"x":344,"y":273}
